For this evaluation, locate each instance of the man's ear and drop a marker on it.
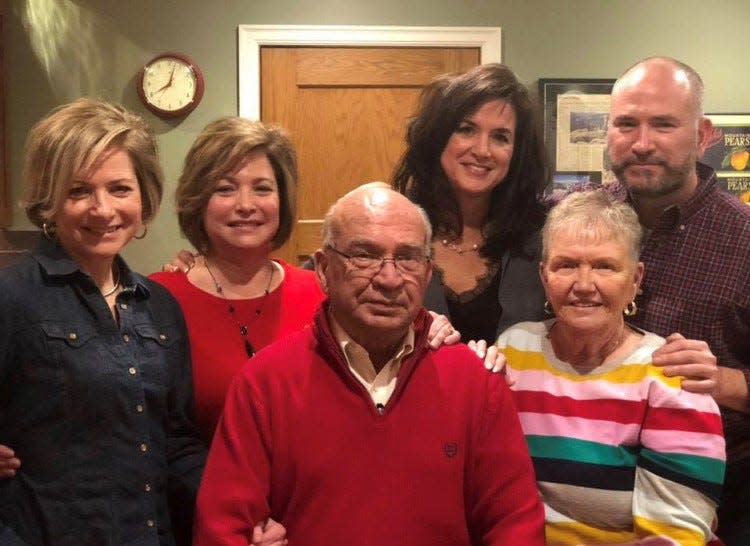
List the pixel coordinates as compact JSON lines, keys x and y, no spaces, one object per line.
{"x":321,"y":267}
{"x":708,"y":135}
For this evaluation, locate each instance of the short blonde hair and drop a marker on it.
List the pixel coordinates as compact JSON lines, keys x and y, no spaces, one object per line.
{"x":219,"y":149}
{"x":71,"y":139}
{"x":597,"y":213}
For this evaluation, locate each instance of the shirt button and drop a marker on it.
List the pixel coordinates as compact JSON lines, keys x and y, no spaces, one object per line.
{"x":162,"y":337}
{"x":139,"y":408}
{"x":682,"y":227}
{"x":73,"y":336}
{"x":147,"y":487}
{"x":150,"y":522}
{"x":144,"y":448}
{"x":132,"y":370}
{"x":123,"y":306}
{"x":126,"y":338}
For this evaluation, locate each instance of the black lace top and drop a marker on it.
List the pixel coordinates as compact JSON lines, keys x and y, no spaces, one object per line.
{"x":476,"y":313}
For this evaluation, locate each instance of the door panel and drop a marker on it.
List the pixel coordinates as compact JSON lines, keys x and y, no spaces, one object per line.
{"x":346,"y":111}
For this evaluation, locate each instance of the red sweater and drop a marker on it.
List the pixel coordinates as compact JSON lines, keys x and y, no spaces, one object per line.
{"x":216,"y":347}
{"x":301,"y":440}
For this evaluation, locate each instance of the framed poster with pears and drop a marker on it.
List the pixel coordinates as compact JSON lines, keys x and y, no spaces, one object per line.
{"x":729,"y":155}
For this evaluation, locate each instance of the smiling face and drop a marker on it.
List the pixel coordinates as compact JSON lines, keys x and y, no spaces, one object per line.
{"x":656,"y":132}
{"x":101,"y":211}
{"x":589,"y":278}
{"x":377,"y":308}
{"x":477,"y":155}
{"x":243,"y":210}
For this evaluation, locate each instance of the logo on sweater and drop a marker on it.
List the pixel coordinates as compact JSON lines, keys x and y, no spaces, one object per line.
{"x":450,"y":449}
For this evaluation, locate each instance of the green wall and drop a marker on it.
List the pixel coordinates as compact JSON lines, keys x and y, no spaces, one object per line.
{"x":57,"y":50}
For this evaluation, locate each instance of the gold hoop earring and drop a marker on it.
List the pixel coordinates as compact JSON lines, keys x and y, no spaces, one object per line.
{"x":48,"y":228}
{"x":630,"y":309}
{"x":142,"y":235}
{"x":548,"y":308}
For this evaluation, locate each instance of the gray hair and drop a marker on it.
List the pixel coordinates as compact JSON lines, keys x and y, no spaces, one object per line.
{"x":598,"y":214}
{"x":332,"y":228}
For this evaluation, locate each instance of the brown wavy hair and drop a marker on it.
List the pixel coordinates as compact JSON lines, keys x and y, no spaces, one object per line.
{"x":515,"y":210}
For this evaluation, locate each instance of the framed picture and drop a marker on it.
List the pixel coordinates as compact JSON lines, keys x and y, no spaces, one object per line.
{"x":729,"y":156}
{"x":575,"y":115}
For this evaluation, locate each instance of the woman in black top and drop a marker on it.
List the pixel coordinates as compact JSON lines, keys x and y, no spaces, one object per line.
{"x":475,"y":161}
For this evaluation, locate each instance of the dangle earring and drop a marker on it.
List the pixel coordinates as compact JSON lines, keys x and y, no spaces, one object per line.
{"x":630,"y":309}
{"x":548,"y":308}
{"x":48,"y":228}
{"x":142,"y":235}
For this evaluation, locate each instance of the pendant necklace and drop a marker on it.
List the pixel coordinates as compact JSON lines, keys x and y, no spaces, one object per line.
{"x":243,"y":328}
{"x":458,"y":249}
{"x":116,"y":286}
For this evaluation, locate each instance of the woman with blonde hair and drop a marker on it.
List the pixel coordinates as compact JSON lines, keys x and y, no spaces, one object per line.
{"x":95,"y":382}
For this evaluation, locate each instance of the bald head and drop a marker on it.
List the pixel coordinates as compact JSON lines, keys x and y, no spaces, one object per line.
{"x":368,"y":201}
{"x":666,"y":70}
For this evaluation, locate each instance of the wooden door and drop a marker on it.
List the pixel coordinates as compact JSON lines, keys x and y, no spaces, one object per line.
{"x":346,"y":109}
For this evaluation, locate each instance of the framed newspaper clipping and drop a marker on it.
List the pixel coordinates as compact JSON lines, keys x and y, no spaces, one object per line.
{"x":729,"y":155}
{"x":575,"y":115}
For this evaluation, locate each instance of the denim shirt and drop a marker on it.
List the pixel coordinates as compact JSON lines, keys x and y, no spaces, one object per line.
{"x":99,"y":413}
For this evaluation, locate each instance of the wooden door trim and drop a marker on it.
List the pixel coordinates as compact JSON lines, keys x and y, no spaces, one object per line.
{"x":253,"y":37}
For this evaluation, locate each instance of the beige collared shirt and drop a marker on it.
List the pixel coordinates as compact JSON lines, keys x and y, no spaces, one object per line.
{"x":381,"y":384}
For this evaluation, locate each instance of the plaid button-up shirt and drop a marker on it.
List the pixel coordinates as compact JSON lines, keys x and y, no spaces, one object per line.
{"x":697,"y":283}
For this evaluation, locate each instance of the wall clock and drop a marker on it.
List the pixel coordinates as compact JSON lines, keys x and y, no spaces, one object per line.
{"x":171,"y":85}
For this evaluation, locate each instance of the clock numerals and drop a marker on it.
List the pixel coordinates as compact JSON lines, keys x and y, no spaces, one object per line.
{"x":171,"y":85}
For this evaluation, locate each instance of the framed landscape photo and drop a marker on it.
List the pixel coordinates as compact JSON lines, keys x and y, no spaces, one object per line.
{"x":575,"y":113}
{"x":729,"y":156}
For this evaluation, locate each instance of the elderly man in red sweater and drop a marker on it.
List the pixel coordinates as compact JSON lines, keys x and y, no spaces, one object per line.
{"x":353,"y":431}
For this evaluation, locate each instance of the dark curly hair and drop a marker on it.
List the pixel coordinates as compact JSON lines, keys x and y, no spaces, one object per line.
{"x":516,"y":209}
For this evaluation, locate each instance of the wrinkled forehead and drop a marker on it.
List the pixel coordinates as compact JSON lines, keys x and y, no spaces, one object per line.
{"x":381,"y":221}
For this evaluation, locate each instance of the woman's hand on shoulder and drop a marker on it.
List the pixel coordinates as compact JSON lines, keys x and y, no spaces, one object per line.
{"x":442,"y":331}
{"x":493,"y":358}
{"x":9,"y":463}
{"x":184,"y":261}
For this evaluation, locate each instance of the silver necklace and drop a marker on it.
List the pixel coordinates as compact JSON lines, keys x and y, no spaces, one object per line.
{"x":243,"y":328}
{"x":116,"y":286}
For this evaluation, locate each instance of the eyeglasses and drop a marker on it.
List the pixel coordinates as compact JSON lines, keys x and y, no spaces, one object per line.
{"x":407,"y":264}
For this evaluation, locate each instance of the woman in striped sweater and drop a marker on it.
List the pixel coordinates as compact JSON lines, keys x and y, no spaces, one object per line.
{"x":622,"y":455}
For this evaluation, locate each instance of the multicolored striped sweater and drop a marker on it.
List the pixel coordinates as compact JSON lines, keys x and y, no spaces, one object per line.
{"x":622,"y":454}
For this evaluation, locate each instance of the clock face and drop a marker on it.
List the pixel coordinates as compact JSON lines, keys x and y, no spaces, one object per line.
{"x":171,"y":85}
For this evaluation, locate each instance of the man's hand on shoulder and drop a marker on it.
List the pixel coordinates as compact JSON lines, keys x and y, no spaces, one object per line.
{"x":693,"y":360}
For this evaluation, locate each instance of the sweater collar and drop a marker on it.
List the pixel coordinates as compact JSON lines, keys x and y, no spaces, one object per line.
{"x":330,"y":347}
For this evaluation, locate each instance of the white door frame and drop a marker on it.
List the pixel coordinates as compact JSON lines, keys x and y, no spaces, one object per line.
{"x":252,"y":37}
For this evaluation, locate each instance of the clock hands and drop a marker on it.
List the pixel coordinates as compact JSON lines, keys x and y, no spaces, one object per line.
{"x":168,"y":84}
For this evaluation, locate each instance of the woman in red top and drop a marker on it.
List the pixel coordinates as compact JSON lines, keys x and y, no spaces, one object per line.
{"x":235,"y":204}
